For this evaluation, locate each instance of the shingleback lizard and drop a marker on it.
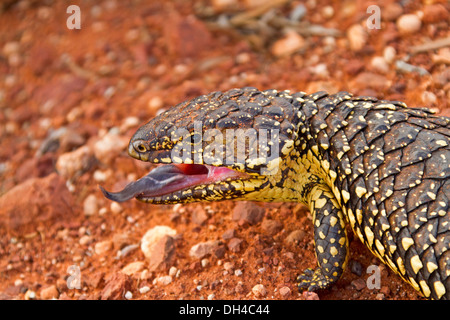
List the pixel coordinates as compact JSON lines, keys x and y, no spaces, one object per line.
{"x":376,"y":165}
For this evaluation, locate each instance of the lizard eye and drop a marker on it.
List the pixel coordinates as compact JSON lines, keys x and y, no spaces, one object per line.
{"x":140,"y":146}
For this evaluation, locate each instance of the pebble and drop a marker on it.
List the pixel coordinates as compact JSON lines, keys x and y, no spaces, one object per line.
{"x":204,"y":263}
{"x":155,"y":103}
{"x":435,"y":13}
{"x":202,"y":249}
{"x":19,"y":213}
{"x":228,"y":266}
{"x":358,"y":284}
{"x":144,"y":289}
{"x":211,"y":296}
{"x":295,"y":237}
{"x":248,"y":212}
{"x":238,"y":272}
{"x":85,"y":240}
{"x":408,"y":24}
{"x":259,"y":291}
{"x":379,"y":64}
{"x":152,"y":236}
{"x":310,"y":295}
{"x":289,"y":44}
{"x":50,"y":292}
{"x":74,"y":163}
{"x":90,"y":205}
{"x":389,"y":54}
{"x":103,"y":247}
{"x":133,"y":268}
{"x":199,"y":215}
{"x":11,"y":47}
{"x":128,"y":123}
{"x":229,"y":234}
{"x":116,"y":208}
{"x":285,"y":291}
{"x":271,"y":227}
{"x":356,"y":267}
{"x":128,"y":295}
{"x":234,"y":245}
{"x":392,"y":11}
{"x":108,"y":148}
{"x":163,"y":280}
{"x":357,"y":37}
{"x":30,"y":295}
{"x":173,"y":271}
{"x":116,"y":286}
{"x":428,"y":98}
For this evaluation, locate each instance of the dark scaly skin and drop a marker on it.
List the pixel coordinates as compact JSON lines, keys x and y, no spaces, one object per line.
{"x":376,"y":165}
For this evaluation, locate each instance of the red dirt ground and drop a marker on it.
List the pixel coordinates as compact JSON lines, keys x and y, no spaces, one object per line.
{"x":71,"y":99}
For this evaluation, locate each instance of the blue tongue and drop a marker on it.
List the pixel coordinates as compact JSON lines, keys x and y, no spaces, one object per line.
{"x":151,"y":184}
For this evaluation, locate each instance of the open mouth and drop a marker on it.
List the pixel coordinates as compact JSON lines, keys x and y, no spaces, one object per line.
{"x":169,"y":178}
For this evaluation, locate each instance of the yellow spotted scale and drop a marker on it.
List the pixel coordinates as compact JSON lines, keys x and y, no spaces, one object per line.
{"x":375,"y":165}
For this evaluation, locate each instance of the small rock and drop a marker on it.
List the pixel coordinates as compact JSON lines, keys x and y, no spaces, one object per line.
{"x":228,"y":234}
{"x":133,"y":268}
{"x":285,"y":291}
{"x":385,"y":290}
{"x":199,"y":215}
{"x":392,"y":11}
{"x":357,"y":37}
{"x":162,"y":254}
{"x":90,"y":205}
{"x":295,"y":237}
{"x":356,"y":267}
{"x":109,"y":147}
{"x":116,"y":208}
{"x":389,"y":54}
{"x":128,"y":295}
{"x":259,"y":291}
{"x":202,"y":249}
{"x":371,"y":80}
{"x":271,"y":227}
{"x":37,"y":202}
{"x":204,"y":263}
{"x":163,"y":280}
{"x":30,"y":295}
{"x":85,"y":240}
{"x":103,"y":247}
{"x":435,"y":13}
{"x":116,"y":286}
{"x":289,"y":44}
{"x":380,"y":296}
{"x":248,"y":212}
{"x":154,"y":104}
{"x":74,"y":163}
{"x":144,"y":289}
{"x":152,"y":236}
{"x":50,"y":292}
{"x":234,"y":245}
{"x":358,"y":284}
{"x":428,"y":98}
{"x":173,"y":271}
{"x":379,"y":64}
{"x":408,"y":24}
{"x":158,"y":247}
{"x":228,"y":266}
{"x":310,"y":295}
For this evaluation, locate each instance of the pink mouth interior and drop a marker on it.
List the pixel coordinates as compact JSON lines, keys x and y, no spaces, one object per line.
{"x":192,"y":175}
